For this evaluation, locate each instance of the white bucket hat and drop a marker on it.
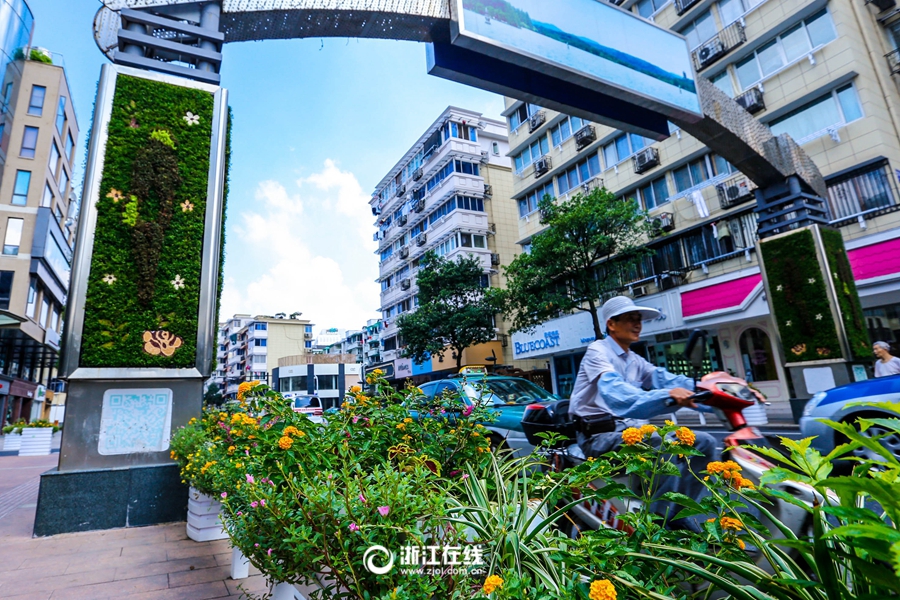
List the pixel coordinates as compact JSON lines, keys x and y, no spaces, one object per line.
{"x":621,"y":305}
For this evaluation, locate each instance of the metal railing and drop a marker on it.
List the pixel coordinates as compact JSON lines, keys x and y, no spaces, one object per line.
{"x":752,"y":100}
{"x":682,"y":6}
{"x":719,"y":45}
{"x":893,"y":59}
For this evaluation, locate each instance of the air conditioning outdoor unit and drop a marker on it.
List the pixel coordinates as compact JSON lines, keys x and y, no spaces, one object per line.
{"x":421,"y":239}
{"x":405,"y":284}
{"x":646,"y":159}
{"x":488,"y":191}
{"x":667,"y":281}
{"x":419,"y":205}
{"x":376,"y":210}
{"x":640,"y":290}
{"x":417,"y":174}
{"x":495,"y":258}
{"x":401,"y":190}
{"x":584,"y":137}
{"x":403,"y":220}
{"x":734,"y":192}
{"x":752,"y":100}
{"x":484,"y":157}
{"x":536,"y":120}
{"x":404,"y":252}
{"x":541,"y":166}
{"x":710,"y":51}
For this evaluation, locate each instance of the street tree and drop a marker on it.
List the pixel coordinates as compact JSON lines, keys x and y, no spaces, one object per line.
{"x":591,"y":242}
{"x":453,"y":312}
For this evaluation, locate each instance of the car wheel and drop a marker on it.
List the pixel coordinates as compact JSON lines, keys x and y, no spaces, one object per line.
{"x":891,"y":441}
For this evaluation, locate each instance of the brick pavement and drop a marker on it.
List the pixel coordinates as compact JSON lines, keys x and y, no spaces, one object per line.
{"x":140,"y":563}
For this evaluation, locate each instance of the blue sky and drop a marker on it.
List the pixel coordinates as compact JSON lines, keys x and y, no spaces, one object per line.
{"x":318,"y":123}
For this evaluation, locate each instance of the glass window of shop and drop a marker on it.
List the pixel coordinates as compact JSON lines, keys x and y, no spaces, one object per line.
{"x":293,"y":384}
{"x":668,"y":353}
{"x":566,"y":368}
{"x":883,"y":323}
{"x":757,"y":357}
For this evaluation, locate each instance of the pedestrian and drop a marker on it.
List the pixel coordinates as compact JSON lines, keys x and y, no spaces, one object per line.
{"x":616,"y":388}
{"x":887,"y":364}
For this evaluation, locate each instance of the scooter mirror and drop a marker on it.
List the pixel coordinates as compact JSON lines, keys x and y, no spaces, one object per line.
{"x":695,"y":351}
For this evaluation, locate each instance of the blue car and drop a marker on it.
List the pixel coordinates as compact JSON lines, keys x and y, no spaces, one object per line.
{"x":841,"y":404}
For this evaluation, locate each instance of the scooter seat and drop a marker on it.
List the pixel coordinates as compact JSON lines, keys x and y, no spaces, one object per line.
{"x":574,"y":451}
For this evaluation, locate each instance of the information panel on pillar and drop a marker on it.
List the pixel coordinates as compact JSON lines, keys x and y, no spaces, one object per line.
{"x":586,"y":42}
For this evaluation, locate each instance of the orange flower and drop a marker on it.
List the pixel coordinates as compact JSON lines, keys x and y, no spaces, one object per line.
{"x":494,"y":582}
{"x":685,"y":436}
{"x":602,"y":589}
{"x":647,"y":430}
{"x":290,"y":430}
{"x":632,"y":436}
{"x":285,"y":442}
{"x":731,"y":524}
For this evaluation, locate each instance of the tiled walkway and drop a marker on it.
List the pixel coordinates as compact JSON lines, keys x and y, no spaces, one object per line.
{"x":141,"y":563}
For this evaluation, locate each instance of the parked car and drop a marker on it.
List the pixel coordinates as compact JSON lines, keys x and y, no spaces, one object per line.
{"x":842,"y":404}
{"x":309,"y":405}
{"x":507,"y":395}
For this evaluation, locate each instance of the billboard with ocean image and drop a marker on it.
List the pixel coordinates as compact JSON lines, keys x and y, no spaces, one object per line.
{"x":592,"y":38}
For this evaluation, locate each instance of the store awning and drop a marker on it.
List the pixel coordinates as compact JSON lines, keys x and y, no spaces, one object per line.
{"x":726,"y":296}
{"x":875,"y":260}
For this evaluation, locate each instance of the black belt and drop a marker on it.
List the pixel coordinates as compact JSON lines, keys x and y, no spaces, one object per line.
{"x":595,"y":424}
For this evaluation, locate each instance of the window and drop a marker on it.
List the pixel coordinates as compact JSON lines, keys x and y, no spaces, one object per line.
{"x":622,"y":147}
{"x":835,"y":109}
{"x":13,"y":236}
{"x":54,"y":319}
{"x":441,"y":211}
{"x":259,"y":326}
{"x":859,"y":192}
{"x":566,"y":129}
{"x":53,"y":163}
{"x":757,"y":357}
{"x":29,"y":142}
{"x":529,"y":203}
{"x":63,"y":182}
{"x":6,"y":281}
{"x":447,"y":246}
{"x":655,"y":193}
{"x":260,"y":342}
{"x":521,"y":115}
{"x":581,"y":172}
{"x":326,"y":382}
{"x":691,"y":174}
{"x":57,"y":212}
{"x":458,"y":130}
{"x":790,"y":46}
{"x":470,"y":203}
{"x":531,"y":153}
{"x":668,"y":257}
{"x":32,"y":299}
{"x":732,"y":10}
{"x":723,"y":82}
{"x":45,"y":311}
{"x":47,"y":199}
{"x":309,"y":344}
{"x":293,"y":384}
{"x":61,"y":115}
{"x":495,"y":148}
{"x":70,"y":147}
{"x":390,"y":343}
{"x":7,"y":93}
{"x":468,"y":240}
{"x":646,"y":8}
{"x":36,"y":103}
{"x":700,"y":30}
{"x":308,"y":329}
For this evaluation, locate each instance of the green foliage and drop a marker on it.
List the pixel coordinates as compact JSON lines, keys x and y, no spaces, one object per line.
{"x":847,"y":295}
{"x":453,"y":310}
{"x":559,"y":275}
{"x":799,"y":298}
{"x":146,"y":243}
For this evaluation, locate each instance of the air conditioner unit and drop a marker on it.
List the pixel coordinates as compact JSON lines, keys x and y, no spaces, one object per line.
{"x":536,"y":120}
{"x":421,"y":239}
{"x":402,"y":220}
{"x":734,"y":192}
{"x":639,"y":291}
{"x":667,"y":281}
{"x":492,"y":228}
{"x":646,"y":159}
{"x":488,"y":191}
{"x":542,"y":166}
{"x":401,"y":190}
{"x":404,"y":252}
{"x":417,"y":174}
{"x":709,"y":52}
{"x":376,"y":210}
{"x":419,"y":206}
{"x":484,"y":157}
{"x":584,"y":137}
{"x":405,"y":284}
{"x":495,"y":258}
{"x":308,"y":335}
{"x":751,"y":100}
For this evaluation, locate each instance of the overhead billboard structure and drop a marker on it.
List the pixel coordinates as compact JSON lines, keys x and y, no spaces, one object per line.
{"x":636,"y":75}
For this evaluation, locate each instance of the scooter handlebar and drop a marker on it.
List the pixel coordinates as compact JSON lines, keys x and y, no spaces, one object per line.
{"x":698,"y":396}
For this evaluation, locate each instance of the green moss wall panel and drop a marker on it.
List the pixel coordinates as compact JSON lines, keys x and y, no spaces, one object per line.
{"x":846,"y":294}
{"x":143,"y":293}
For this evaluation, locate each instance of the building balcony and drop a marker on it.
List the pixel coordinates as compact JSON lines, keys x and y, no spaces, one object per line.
{"x":893,"y":60}
{"x":752,"y":100}
{"x":718,"y":46}
{"x":682,"y":6}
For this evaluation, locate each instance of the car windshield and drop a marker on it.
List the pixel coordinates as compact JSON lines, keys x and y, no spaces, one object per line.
{"x":508,"y":392}
{"x":306,"y":402}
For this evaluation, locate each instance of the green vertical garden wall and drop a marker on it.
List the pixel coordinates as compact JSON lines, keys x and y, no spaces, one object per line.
{"x":846,"y":294}
{"x":143,"y":293}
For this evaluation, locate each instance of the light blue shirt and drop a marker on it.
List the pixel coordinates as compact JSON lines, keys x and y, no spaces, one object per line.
{"x":617,"y":382}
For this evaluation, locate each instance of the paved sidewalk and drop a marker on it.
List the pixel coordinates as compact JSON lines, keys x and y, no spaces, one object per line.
{"x":140,"y":563}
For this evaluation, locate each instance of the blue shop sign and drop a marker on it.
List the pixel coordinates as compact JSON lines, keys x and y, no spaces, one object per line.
{"x":549,"y":340}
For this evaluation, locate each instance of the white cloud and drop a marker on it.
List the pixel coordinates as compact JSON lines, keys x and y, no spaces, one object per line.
{"x":307,"y":250}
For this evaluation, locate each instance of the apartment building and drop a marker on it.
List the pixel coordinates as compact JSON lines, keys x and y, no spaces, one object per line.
{"x":450,"y":193}
{"x":823,"y":72}
{"x":372,"y":345}
{"x":38,"y":133}
{"x":250,"y":347}
{"x":328,"y":376}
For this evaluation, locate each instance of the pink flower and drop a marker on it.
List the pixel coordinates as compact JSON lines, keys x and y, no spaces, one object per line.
{"x":362,"y":499}
{"x":384,"y":510}
{"x":354,"y":527}
{"x":269,"y":553}
{"x":254,"y":504}
{"x":262,"y":502}
{"x":239,"y":513}
{"x":256,"y":545}
{"x":224,"y":494}
{"x":465,"y":476}
{"x":468,"y":410}
{"x":247,"y":452}
{"x":355,"y":419}
{"x":250,"y":478}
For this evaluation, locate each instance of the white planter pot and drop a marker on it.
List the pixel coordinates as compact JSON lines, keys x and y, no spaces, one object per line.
{"x":204,"y":522}
{"x":36,"y":441}
{"x":240,"y":566}
{"x":12,"y":442}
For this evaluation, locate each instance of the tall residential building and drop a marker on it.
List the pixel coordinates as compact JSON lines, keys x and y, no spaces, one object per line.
{"x":38,"y":133}
{"x":823,"y":72}
{"x":450,"y":193}
{"x":250,"y":347}
{"x":372,"y":339}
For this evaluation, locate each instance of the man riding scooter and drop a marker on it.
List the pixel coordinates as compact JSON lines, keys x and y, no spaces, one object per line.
{"x":615,"y":387}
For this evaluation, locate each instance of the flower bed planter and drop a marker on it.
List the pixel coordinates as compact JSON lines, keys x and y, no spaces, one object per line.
{"x":204,"y":523}
{"x":12,"y":442}
{"x":36,"y":441}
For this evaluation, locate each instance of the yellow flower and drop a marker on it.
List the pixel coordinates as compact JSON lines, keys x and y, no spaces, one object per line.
{"x":730,"y":524}
{"x":355,"y":389}
{"x":172,"y":455}
{"x":740,"y":544}
{"x":602,"y":589}
{"x":632,"y":436}
{"x":377,"y":372}
{"x":285,"y":442}
{"x":231,"y":450}
{"x":669,"y":423}
{"x":647,"y":430}
{"x":192,"y":421}
{"x":401,"y":425}
{"x":743,"y":483}
{"x":407,"y":420}
{"x":236,"y":432}
{"x":685,"y":436}
{"x":492,"y":583}
{"x":590,"y":459}
{"x":290,"y":430}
